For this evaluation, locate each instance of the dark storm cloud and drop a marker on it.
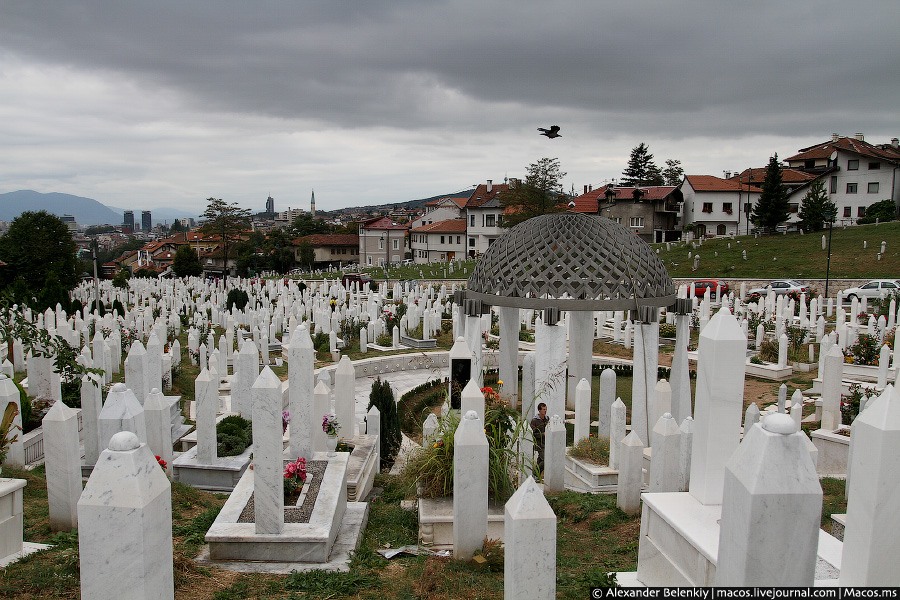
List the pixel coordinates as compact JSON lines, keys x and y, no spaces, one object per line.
{"x":711,"y":68}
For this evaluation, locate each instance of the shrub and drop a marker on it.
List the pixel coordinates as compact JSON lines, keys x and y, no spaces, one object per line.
{"x":592,"y":449}
{"x":667,"y":330}
{"x":768,"y":350}
{"x":864,"y":351}
{"x":851,"y":401}
{"x":117,"y":306}
{"x":382,"y":397}
{"x":236,"y":299}
{"x":233,"y":435}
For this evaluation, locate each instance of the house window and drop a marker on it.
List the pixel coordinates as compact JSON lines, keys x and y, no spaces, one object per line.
{"x":874,"y":166}
{"x":396,"y":244}
{"x":471,"y":220}
{"x":491,"y":221}
{"x":471,"y":242}
{"x":793,"y":207}
{"x":861,"y":211}
{"x":381,"y":243}
{"x":846,"y":211}
{"x":851,"y":188}
{"x":873,"y":187}
{"x":834,"y":184}
{"x":636,"y":222}
{"x":853,"y":165}
{"x":617,"y":220}
{"x":369,"y":260}
{"x":457,"y":239}
{"x":707,"y":207}
{"x":499,"y":220}
{"x":720,"y":230}
{"x":442,"y":239}
{"x":727,"y":208}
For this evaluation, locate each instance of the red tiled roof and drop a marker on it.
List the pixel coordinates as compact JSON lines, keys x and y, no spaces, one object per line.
{"x":329,"y":239}
{"x":587,"y":203}
{"x":381,"y":223}
{"x":847,"y":144}
{"x":711,"y":183}
{"x":788,"y":175}
{"x":482,"y":196}
{"x":448,"y":226}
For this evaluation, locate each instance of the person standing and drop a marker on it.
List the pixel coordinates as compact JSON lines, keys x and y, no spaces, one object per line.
{"x":538,"y":426}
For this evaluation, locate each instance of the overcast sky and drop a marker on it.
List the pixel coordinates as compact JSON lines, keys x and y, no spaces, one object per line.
{"x":146,"y":104}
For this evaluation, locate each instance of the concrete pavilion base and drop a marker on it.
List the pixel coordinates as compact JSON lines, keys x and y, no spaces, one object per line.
{"x":310,"y":542}
{"x":436,"y":522}
{"x":679,"y":543}
{"x":582,"y":476}
{"x":222,"y":476}
{"x":834,"y":451}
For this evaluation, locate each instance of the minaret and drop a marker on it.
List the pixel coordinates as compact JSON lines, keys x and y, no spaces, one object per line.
{"x":312,"y":204}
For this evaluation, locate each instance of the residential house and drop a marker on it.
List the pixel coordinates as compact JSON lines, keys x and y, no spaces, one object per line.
{"x":441,"y":209}
{"x":330,"y":249}
{"x":442,"y":241}
{"x":795,"y":181}
{"x":716,"y":206}
{"x":651,"y":212}
{"x":484,"y":215}
{"x":859,"y":173}
{"x":381,"y":242}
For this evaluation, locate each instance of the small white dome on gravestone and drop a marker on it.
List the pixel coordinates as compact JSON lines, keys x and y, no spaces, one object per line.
{"x":124,"y":441}
{"x":118,"y":387}
{"x":154,"y":391}
{"x":780,"y":423}
{"x":471,"y":415}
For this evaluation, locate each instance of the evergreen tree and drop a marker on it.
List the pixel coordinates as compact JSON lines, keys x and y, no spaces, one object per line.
{"x":772,"y":207}
{"x":641,"y":169}
{"x":186,"y":263}
{"x":382,"y":397}
{"x":882,"y":211}
{"x":537,"y":195}
{"x":673,"y":173}
{"x":816,"y":209}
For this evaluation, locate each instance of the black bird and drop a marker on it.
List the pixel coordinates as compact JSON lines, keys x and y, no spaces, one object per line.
{"x":551,"y":133}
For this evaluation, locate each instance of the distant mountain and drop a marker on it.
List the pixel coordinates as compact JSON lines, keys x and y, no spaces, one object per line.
{"x":86,"y":211}
{"x":408,"y":204}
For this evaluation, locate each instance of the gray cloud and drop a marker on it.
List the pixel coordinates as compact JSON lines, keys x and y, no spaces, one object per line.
{"x":439,"y":79}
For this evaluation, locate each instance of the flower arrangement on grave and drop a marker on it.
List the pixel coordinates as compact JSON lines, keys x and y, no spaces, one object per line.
{"x":7,"y":427}
{"x":330,"y":425}
{"x":162,"y":463}
{"x":285,"y":419}
{"x":850,"y":402}
{"x":294,"y":478}
{"x":592,"y":449}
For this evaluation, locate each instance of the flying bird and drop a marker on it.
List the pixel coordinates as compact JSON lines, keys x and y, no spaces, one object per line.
{"x":551,"y":133}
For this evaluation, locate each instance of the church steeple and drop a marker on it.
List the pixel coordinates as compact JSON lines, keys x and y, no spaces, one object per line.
{"x":312,"y":204}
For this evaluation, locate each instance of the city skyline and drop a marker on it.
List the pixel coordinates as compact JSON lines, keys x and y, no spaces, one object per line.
{"x":167,"y":104}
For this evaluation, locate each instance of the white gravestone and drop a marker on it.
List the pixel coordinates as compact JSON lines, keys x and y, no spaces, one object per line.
{"x":628,"y":492}
{"x":555,"y":454}
{"x":125,"y":525}
{"x":268,"y":471}
{"x":470,"y":486}
{"x":62,"y":458}
{"x":771,"y":508}
{"x":529,"y":538}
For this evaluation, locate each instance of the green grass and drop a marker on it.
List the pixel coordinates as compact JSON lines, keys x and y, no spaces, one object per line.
{"x":461,"y":270}
{"x":793,"y":255}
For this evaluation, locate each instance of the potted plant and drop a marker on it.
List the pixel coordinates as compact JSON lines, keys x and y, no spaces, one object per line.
{"x":330,"y":426}
{"x":8,"y":427}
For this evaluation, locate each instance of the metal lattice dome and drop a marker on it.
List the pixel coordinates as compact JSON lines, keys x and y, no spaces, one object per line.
{"x":571,"y":261}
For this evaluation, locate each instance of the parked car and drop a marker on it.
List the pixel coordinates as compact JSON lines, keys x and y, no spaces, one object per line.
{"x":717,"y":287}
{"x":872,"y":289}
{"x":360,"y":278}
{"x":781,"y":287}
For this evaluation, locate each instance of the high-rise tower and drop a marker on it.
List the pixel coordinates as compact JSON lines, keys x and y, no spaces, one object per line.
{"x":270,"y":205}
{"x":146,"y":221}
{"x":128,"y":224}
{"x":312,"y":204}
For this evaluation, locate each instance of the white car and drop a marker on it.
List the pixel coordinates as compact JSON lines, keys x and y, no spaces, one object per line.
{"x":781,"y":287}
{"x":872,"y":289}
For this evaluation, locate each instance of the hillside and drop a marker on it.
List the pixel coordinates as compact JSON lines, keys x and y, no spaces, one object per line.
{"x":86,"y":211}
{"x":793,"y":255}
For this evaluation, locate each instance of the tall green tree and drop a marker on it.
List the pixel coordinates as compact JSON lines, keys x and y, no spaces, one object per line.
{"x":40,"y":257}
{"x":186,"y":263}
{"x":673,"y":173}
{"x":228,"y":221}
{"x":772,"y":207}
{"x":306,"y":256}
{"x":306,"y":224}
{"x":382,"y":397}
{"x":280,"y":251}
{"x":816,"y":209}
{"x":537,"y":195}
{"x":641,"y":170}
{"x":882,"y":211}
